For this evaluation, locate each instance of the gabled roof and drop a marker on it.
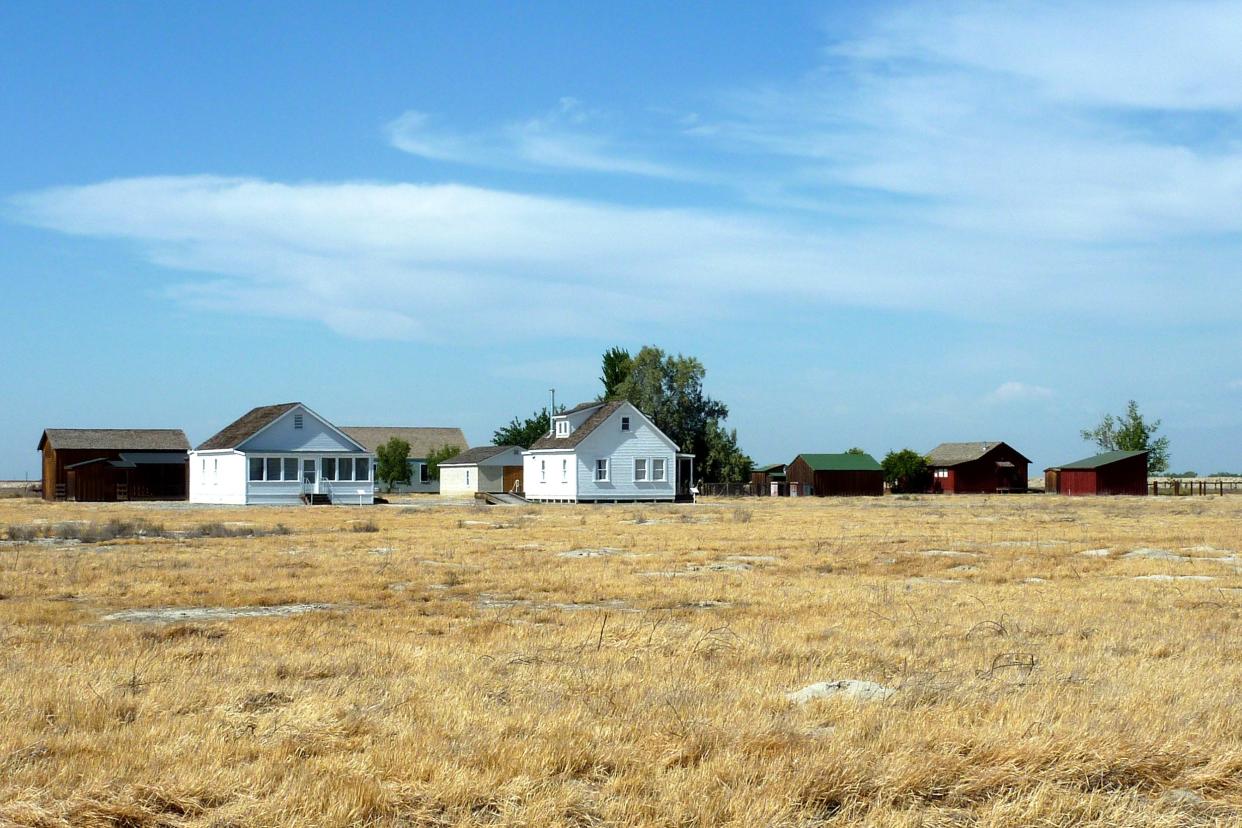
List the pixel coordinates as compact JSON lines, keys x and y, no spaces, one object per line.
{"x":580,"y":407}
{"x":116,"y":439}
{"x":1099,"y":460}
{"x":477,"y":455}
{"x":422,"y":440}
{"x":246,"y":426}
{"x":583,"y":431}
{"x":840,"y":462}
{"x":771,"y":467}
{"x":952,"y":454}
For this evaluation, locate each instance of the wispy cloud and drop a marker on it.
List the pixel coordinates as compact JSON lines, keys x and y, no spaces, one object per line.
{"x":1014,"y":391}
{"x":562,"y":139}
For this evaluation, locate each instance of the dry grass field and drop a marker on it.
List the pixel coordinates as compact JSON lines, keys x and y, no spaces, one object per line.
{"x":582,"y":666}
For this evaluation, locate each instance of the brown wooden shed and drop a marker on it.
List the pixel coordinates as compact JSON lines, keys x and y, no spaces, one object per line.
{"x":763,"y":478}
{"x":836,"y":475}
{"x":1110,"y":473}
{"x":977,"y":468}
{"x":107,"y":464}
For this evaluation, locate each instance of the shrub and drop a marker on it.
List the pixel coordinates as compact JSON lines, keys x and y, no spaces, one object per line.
{"x":365,"y":526}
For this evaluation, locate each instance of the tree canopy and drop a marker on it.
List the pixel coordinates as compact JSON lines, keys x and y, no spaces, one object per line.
{"x":393,"y":462}
{"x":616,"y":368}
{"x":669,"y":390}
{"x":437,"y":456}
{"x":524,"y":432}
{"x":906,"y":471}
{"x":854,"y":450}
{"x":1131,"y":432}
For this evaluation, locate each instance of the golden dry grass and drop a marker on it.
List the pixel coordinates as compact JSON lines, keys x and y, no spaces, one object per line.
{"x":468,"y":674}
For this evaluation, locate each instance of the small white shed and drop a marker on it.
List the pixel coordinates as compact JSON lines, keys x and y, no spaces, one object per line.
{"x":484,"y":469}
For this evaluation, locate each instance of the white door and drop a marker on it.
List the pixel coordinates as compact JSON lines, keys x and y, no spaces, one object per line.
{"x":310,"y":475}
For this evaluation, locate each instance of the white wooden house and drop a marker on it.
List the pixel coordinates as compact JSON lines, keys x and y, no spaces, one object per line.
{"x":482,"y":469}
{"x":606,"y":452}
{"x":422,"y":441}
{"x":281,"y":454}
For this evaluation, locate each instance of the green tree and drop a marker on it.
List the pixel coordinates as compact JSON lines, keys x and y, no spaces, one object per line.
{"x":724,"y":461}
{"x":906,"y":471}
{"x":437,"y":456}
{"x":394,"y":462}
{"x":616,"y":368}
{"x":669,"y":390}
{"x":1131,"y":432}
{"x":854,"y":450}
{"x":525,"y":432}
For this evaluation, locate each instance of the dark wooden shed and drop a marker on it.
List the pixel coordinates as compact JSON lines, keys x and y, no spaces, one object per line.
{"x":986,"y":467}
{"x":1110,"y":473}
{"x":836,"y":475}
{"x":108,"y":464}
{"x":763,"y":478}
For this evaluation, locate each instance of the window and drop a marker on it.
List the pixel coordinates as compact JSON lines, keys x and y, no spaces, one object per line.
{"x":345,"y":469}
{"x":467,"y":477}
{"x":291,"y":468}
{"x":659,"y":469}
{"x":329,"y":468}
{"x":273,"y":468}
{"x":297,"y":421}
{"x":562,"y":428}
{"x":256,"y":468}
{"x":601,"y":470}
{"x":942,"y":473}
{"x":424,"y":474}
{"x":640,"y":470}
{"x":362,"y":467}
{"x":625,"y":423}
{"x":543,"y":471}
{"x":564,"y":471}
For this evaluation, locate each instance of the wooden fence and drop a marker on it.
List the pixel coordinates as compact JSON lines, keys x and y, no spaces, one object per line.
{"x":1191,"y":486}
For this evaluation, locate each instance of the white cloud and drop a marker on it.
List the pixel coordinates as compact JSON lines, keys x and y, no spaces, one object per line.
{"x":1014,"y":391}
{"x":558,"y":140}
{"x":1019,"y":120}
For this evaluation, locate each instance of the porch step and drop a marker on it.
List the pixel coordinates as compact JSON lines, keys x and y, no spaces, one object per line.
{"x":501,"y":499}
{"x":317,"y":500}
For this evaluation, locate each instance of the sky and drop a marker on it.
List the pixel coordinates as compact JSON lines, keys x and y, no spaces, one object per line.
{"x":879,"y":225}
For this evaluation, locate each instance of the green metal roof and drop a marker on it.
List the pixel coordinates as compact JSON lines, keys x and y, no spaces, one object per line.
{"x":771,"y":467}
{"x":1100,"y":460}
{"x":841,"y":462}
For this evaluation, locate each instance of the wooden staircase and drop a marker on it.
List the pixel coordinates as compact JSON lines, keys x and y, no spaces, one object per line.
{"x":316,"y":499}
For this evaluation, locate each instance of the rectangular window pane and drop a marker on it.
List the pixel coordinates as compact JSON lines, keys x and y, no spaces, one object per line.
{"x":657,"y":469}
{"x":329,"y":468}
{"x":345,"y":469}
{"x":256,"y":468}
{"x":640,"y":470}
{"x":424,"y":474}
{"x":601,"y":469}
{"x":273,"y":468}
{"x":543,"y":470}
{"x":291,"y":468}
{"x":625,"y":423}
{"x":564,"y":471}
{"x":361,"y":465}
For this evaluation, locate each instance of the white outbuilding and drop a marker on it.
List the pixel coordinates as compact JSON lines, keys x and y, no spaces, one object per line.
{"x":493,"y":469}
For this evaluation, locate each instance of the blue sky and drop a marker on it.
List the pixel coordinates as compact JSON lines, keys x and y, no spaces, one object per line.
{"x":884,"y":226}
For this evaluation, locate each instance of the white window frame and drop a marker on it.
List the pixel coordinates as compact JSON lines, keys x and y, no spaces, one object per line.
{"x":424,"y":473}
{"x":625,"y":423}
{"x":266,"y":460}
{"x":942,"y":473}
{"x":467,"y":477}
{"x":640,"y":470}
{"x":663,"y":467}
{"x":562,"y":428}
{"x":564,"y":470}
{"x":543,"y":471}
{"x":607,"y":469}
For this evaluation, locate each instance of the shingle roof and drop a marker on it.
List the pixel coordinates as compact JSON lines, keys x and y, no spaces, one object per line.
{"x":1099,"y":460}
{"x":477,"y":455}
{"x":581,"y":407}
{"x":841,"y":462}
{"x":116,"y":439}
{"x":583,"y":431}
{"x":245,"y":426}
{"x":951,"y":454}
{"x":422,"y":440}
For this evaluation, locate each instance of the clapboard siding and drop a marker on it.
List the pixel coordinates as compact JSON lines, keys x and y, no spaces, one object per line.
{"x":622,"y":448}
{"x":314,"y":436}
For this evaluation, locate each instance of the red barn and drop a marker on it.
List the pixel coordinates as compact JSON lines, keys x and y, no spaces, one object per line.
{"x":1110,"y":473}
{"x":828,"y":475}
{"x":977,"y":468}
{"x":762,"y":478}
{"x":115,"y":464}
